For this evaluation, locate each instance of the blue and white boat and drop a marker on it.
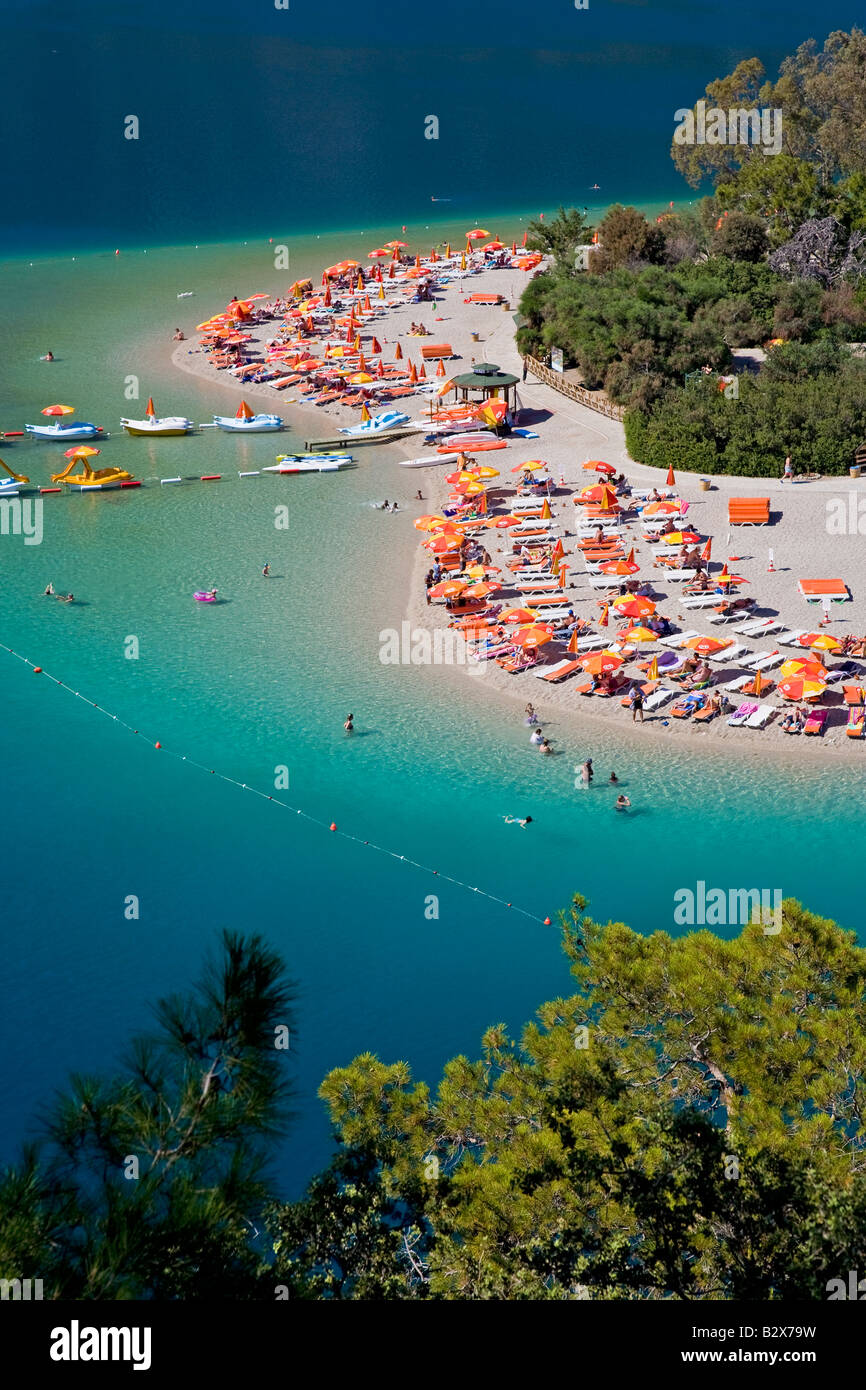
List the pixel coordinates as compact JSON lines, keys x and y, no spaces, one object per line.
{"x":80,"y":430}
{"x":386,"y":420}
{"x":252,"y":424}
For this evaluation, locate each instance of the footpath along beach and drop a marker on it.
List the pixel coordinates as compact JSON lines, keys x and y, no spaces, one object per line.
{"x":803,"y":534}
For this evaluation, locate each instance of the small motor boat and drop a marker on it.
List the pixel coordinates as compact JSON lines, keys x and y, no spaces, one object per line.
{"x":201,"y":597}
{"x":82,"y":430}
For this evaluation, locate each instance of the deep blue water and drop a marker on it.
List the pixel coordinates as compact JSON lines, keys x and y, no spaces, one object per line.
{"x":255,"y":120}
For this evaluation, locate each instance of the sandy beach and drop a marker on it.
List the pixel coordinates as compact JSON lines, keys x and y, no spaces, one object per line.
{"x":799,"y":533}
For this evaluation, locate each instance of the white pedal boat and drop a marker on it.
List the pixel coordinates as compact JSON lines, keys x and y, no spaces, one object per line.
{"x":160,"y":427}
{"x":255,"y":424}
{"x":82,"y":430}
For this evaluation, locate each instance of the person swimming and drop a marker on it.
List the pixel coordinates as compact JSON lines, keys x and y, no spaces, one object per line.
{"x":613,"y":777}
{"x":266,"y":571}
{"x":212,"y":593}
{"x":622,"y":802}
{"x":536,"y":736}
{"x":516,"y":820}
{"x":48,"y":590}
{"x":48,"y":357}
{"x":349,"y":725}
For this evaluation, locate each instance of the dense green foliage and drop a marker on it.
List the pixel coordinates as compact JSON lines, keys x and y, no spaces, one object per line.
{"x":560,"y":236}
{"x":192,"y":1111}
{"x":820,"y":168}
{"x":686,"y":1125}
{"x":809,"y":402}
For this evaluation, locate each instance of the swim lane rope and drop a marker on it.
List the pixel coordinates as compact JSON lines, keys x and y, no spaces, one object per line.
{"x":331,"y":826}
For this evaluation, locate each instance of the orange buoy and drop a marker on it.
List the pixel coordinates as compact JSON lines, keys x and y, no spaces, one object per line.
{"x":157,"y":745}
{"x":547,"y":921}
{"x":333,"y":825}
{"x":37,"y":670}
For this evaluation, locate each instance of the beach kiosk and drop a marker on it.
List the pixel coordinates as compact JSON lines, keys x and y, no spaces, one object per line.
{"x":484,"y":382}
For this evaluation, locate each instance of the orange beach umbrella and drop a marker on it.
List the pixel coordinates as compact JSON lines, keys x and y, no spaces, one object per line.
{"x":707,"y":646}
{"x":59,"y":410}
{"x":601,"y":663}
{"x":81,"y":451}
{"x":799,"y":688}
{"x":634,"y":607}
{"x":820,"y":641}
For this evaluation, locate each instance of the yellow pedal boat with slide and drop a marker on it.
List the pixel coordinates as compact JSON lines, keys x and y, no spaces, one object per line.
{"x":90,"y":479}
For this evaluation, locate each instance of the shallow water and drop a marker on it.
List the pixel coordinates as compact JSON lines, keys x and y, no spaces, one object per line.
{"x":265,"y":679}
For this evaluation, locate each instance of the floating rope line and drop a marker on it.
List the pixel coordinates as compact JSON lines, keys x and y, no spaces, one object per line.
{"x":277,"y":801}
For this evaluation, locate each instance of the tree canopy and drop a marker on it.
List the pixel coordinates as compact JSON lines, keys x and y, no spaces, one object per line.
{"x":687,"y":1125}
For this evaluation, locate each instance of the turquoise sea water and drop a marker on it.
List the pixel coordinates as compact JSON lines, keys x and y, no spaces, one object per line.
{"x":261,"y":123}
{"x":265,"y":679}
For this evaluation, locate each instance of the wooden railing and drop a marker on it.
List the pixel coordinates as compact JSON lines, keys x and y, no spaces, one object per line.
{"x":572,"y":390}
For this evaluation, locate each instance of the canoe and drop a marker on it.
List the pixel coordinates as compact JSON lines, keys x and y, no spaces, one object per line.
{"x":320,"y":464}
{"x":429,"y":461}
{"x":470,"y":448}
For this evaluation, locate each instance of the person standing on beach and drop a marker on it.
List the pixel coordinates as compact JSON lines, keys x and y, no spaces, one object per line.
{"x":637,"y":705}
{"x":525,"y":369}
{"x":788,"y":474}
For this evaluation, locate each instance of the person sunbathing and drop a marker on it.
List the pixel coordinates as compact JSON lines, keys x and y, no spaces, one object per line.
{"x":699,"y":677}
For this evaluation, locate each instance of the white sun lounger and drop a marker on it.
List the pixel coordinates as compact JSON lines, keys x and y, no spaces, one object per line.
{"x":657,"y":698}
{"x":763,"y":714}
{"x":791,"y":639}
{"x":679,"y":639}
{"x":752,"y":626}
{"x":737,"y":684}
{"x":674,"y":576}
{"x":552,"y":615}
{"x":745,"y":712}
{"x":699,"y":601}
{"x":751,"y":662}
{"x":730,"y":654}
{"x":775,"y":659}
{"x":738,"y":616}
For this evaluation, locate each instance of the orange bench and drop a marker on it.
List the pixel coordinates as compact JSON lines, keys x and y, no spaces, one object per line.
{"x":434,"y":350}
{"x":748,"y":511}
{"x":484,"y":299}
